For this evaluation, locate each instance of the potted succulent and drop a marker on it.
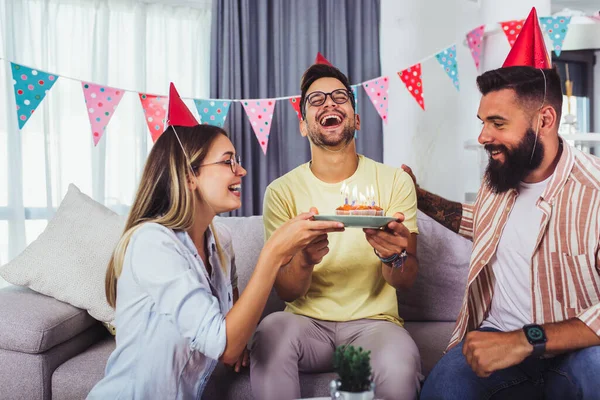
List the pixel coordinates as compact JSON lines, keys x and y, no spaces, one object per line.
{"x":353,"y":367}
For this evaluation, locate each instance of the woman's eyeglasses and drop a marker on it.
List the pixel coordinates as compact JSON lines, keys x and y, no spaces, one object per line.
{"x":233,"y":163}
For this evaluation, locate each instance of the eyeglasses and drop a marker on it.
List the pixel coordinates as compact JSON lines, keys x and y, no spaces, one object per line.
{"x":339,"y":96}
{"x":233,"y":163}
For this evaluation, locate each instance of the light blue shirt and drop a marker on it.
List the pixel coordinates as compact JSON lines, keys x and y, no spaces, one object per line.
{"x":170,"y":316}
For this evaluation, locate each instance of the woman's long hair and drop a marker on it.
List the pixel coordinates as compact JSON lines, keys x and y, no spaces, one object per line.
{"x":163,"y":195}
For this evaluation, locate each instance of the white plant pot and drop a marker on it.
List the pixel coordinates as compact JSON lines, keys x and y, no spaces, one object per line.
{"x":341,"y":395}
{"x":370,"y":395}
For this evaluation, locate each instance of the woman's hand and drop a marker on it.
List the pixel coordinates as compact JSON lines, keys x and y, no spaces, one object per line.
{"x":243,"y":361}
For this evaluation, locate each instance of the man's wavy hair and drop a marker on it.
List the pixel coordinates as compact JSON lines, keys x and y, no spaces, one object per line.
{"x":528,"y":85}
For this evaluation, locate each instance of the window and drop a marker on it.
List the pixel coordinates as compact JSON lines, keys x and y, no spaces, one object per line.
{"x":129,"y":44}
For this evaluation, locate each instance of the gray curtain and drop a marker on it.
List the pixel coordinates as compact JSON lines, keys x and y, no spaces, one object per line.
{"x":260,"y":48}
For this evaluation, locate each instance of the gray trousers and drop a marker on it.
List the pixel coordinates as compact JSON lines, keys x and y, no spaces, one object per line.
{"x":285,"y":344}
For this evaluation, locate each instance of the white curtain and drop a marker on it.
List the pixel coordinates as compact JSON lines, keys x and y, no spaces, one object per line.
{"x":139,"y":46}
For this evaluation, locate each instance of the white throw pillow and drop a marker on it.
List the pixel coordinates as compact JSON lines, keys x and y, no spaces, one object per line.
{"x":68,"y":260}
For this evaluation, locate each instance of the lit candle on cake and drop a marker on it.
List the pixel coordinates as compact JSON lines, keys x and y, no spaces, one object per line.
{"x":354,"y":195}
{"x":372,"y":196}
{"x":363,"y":199}
{"x":344,"y":192}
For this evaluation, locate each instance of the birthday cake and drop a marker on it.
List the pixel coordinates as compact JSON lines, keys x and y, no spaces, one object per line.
{"x":361,"y":209}
{"x":358,"y":203}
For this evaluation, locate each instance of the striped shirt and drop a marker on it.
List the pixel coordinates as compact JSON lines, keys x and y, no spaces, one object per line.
{"x":565,"y":266}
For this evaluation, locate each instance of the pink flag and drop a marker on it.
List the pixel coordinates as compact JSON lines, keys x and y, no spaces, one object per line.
{"x":512,"y":29}
{"x":101,"y":103}
{"x":474,"y":39}
{"x":295,"y":102}
{"x":155,"y":113}
{"x":377,"y":89}
{"x":260,"y":114}
{"x":412,"y":79}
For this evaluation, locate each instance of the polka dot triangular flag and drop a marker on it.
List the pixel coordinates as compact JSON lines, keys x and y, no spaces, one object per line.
{"x":512,"y":29}
{"x":260,"y":114}
{"x":474,"y":39}
{"x":377,"y":90}
{"x":30,"y":87}
{"x":155,"y":113}
{"x":101,"y":103}
{"x":295,"y":102}
{"x":556,"y":28}
{"x":213,"y":112}
{"x":447,"y":59}
{"x":412,"y":79}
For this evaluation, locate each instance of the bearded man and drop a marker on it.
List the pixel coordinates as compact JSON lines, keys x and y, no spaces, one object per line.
{"x":342,"y":289}
{"x":530,"y":322}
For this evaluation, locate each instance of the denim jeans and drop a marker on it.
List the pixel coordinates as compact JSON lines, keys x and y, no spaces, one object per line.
{"x":571,"y":375}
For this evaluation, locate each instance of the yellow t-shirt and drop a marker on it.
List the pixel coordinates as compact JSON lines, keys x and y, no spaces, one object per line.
{"x":348,"y":284}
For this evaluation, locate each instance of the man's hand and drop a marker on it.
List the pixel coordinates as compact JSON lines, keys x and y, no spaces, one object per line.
{"x":389,"y":241}
{"x":487,"y":352}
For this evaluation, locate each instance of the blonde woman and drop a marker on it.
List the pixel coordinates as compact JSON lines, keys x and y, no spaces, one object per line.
{"x":170,"y":278}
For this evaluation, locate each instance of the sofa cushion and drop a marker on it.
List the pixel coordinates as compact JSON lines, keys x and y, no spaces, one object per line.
{"x":226,"y":384}
{"x":28,"y":376}
{"x":68,"y":260}
{"x":438,"y":292}
{"x":33,"y":323}
{"x":431,"y":338}
{"x":248,"y":240}
{"x":75,"y":378}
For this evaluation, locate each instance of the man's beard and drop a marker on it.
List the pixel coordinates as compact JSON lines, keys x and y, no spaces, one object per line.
{"x":322,"y":140}
{"x":503,"y":176}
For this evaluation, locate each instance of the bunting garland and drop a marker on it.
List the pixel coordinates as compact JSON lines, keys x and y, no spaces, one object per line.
{"x":447,"y":59}
{"x":412,"y":79}
{"x":377,"y":90}
{"x":30,"y":87}
{"x":474,"y":39}
{"x":295,"y":102}
{"x":213,"y":112}
{"x":260,"y":114}
{"x":101,"y":103}
{"x":556,"y":29}
{"x":512,"y":29}
{"x":155,"y":113}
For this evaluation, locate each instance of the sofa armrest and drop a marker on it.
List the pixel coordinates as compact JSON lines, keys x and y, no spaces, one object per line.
{"x":33,"y":323}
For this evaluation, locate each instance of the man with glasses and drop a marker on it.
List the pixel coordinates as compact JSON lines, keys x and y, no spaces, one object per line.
{"x":341,"y":289}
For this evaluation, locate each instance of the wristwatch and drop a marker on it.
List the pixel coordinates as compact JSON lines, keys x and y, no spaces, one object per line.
{"x":537,"y":337}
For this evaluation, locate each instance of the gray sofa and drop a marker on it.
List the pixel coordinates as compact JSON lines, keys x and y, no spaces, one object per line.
{"x":52,"y":350}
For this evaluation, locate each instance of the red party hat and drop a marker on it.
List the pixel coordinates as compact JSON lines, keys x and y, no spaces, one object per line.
{"x":322,"y":60}
{"x":529,"y":48}
{"x":179,"y":114}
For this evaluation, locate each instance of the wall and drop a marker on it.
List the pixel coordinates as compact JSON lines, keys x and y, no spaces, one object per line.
{"x":431,"y":141}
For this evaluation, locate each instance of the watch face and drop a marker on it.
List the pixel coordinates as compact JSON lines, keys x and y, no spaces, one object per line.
{"x":535,"y":334}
